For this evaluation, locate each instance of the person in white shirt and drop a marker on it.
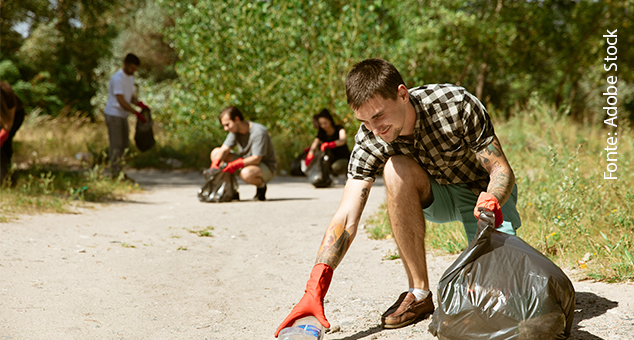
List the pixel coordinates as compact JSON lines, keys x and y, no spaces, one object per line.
{"x":121,"y":94}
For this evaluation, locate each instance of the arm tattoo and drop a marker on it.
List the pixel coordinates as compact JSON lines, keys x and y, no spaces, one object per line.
{"x":334,"y":245}
{"x":364,"y":196}
{"x":501,"y":184}
{"x":483,"y":160}
{"x":501,"y":178}
{"x":492,"y":149}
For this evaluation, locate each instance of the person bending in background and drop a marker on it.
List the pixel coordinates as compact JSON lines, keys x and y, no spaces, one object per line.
{"x":121,"y":94}
{"x":333,"y":137}
{"x":255,"y":161}
{"x":11,"y":118}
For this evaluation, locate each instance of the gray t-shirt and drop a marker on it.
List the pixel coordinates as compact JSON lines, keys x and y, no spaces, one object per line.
{"x":255,"y":142}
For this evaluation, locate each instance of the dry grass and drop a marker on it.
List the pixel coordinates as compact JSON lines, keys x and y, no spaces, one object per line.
{"x":47,"y":140}
{"x":47,"y":176}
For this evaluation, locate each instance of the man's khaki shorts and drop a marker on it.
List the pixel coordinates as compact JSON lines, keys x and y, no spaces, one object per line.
{"x":267,"y":174}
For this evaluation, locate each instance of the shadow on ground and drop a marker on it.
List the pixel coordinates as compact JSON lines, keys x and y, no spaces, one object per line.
{"x":588,"y":305}
{"x":363,"y":334}
{"x":160,"y":178}
{"x":153,"y":177}
{"x":149,"y":179}
{"x":373,"y":330}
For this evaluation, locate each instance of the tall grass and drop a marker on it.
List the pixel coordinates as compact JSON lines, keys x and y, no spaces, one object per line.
{"x":569,"y":211}
{"x":43,"y":139}
{"x":50,"y":188}
{"x":47,"y":176}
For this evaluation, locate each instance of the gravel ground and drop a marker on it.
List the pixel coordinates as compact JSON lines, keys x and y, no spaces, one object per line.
{"x":133,"y":269}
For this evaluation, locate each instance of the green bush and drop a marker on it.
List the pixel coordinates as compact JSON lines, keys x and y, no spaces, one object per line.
{"x":9,"y":73}
{"x":279,"y":63}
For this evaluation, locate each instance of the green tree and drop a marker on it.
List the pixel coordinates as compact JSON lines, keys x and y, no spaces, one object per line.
{"x":504,"y":51}
{"x":13,"y":13}
{"x":279,"y":61}
{"x":66,"y":41}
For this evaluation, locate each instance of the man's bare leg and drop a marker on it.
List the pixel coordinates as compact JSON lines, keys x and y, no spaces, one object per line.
{"x":408,"y":190}
{"x":252,"y":174}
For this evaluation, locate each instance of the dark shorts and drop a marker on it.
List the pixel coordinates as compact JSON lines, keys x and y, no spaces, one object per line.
{"x":455,"y":202}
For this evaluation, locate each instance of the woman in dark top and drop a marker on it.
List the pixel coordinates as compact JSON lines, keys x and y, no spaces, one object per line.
{"x":11,"y":118}
{"x":333,"y":137}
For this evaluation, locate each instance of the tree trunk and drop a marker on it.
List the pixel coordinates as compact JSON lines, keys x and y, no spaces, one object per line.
{"x":558,"y":93}
{"x":482,"y":77}
{"x":464,"y":72}
{"x":574,"y":106}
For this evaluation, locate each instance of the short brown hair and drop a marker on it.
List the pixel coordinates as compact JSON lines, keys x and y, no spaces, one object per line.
{"x":132,"y":59}
{"x":369,"y":78}
{"x":232,"y":111}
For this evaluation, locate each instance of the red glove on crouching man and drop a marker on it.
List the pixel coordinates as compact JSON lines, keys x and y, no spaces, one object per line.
{"x":489,"y":202}
{"x":312,"y":303}
{"x":233,"y":166}
{"x":215,"y":164}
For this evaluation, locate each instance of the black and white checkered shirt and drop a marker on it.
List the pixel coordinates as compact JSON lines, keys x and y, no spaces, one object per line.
{"x":451,"y":126}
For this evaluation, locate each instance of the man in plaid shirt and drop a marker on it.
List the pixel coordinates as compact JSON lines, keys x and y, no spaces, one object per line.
{"x":441,"y":161}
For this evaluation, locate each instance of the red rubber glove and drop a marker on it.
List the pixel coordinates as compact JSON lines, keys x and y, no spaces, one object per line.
{"x":328,"y":145}
{"x":309,"y":158}
{"x":4,"y":135}
{"x":140,"y":116}
{"x":215,"y":164}
{"x":488,"y":201}
{"x":233,"y":166}
{"x":142,"y":105}
{"x":312,"y":303}
{"x":306,"y":150}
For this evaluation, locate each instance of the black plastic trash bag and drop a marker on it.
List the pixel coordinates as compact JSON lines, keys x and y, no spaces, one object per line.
{"x":144,"y":135}
{"x":318,"y":170}
{"x":502,"y":288}
{"x":296,"y":165}
{"x":220,"y":187}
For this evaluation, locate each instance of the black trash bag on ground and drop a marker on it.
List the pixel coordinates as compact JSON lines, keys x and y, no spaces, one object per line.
{"x":143,"y":134}
{"x":296,"y":165}
{"x":220,"y":187}
{"x":502,"y":288}
{"x":318,"y":170}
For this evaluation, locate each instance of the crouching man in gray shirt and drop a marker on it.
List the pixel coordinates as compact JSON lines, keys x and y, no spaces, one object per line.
{"x":255,"y":161}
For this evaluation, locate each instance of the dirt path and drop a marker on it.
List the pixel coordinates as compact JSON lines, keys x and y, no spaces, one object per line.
{"x":132,"y":270}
